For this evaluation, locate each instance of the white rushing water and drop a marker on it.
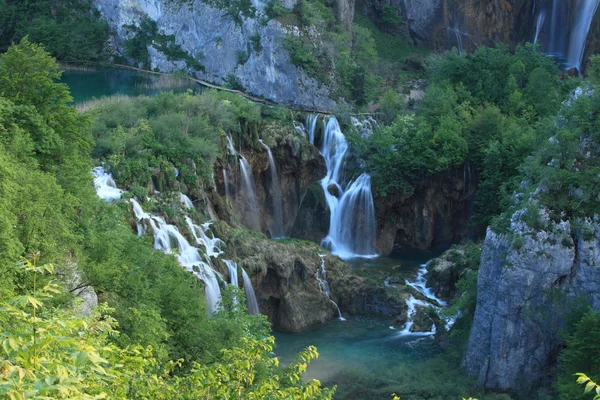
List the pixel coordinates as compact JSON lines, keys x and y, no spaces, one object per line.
{"x":105,"y":185}
{"x":169,"y":240}
{"x":420,"y":285}
{"x":186,"y":201}
{"x":352,"y":211}
{"x":253,"y":217}
{"x":321,"y":276}
{"x":277,"y":230}
{"x":251,"y":302}
{"x":166,"y":236}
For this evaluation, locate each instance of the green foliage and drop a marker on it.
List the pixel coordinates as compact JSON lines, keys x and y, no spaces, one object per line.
{"x":274,"y":9}
{"x":236,"y":9}
{"x":70,"y":30}
{"x":474,"y":113}
{"x":139,"y":135}
{"x":54,"y":353}
{"x":256,"y":44}
{"x":301,"y":53}
{"x":580,"y":356}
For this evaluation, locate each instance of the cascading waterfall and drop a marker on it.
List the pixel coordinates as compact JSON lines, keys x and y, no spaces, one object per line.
{"x":188,"y":256}
{"x":277,"y":230}
{"x":420,"y":285}
{"x":352,"y":211}
{"x":105,"y":185}
{"x":226,"y":184}
{"x":254,"y":218}
{"x":251,"y":302}
{"x":585,"y":14}
{"x":321,"y":276}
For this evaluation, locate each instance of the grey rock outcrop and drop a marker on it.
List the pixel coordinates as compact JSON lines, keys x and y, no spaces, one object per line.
{"x":213,"y":38}
{"x":515,"y":335}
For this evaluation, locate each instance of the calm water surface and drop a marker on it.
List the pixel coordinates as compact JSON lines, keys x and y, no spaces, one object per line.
{"x":92,"y":84}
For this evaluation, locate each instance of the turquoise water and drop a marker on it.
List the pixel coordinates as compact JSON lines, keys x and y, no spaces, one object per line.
{"x":359,"y":343}
{"x":364,"y":343}
{"x":96,"y":83}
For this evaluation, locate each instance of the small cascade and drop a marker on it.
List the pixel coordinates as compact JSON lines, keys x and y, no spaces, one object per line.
{"x":352,"y":211}
{"x":412,"y":304}
{"x":277,"y":230}
{"x":211,"y":246}
{"x":188,"y":256}
{"x":105,"y":185}
{"x":579,"y":33}
{"x":420,"y":285}
{"x":251,"y":302}
{"x":540,"y":23}
{"x":300,"y":129}
{"x":186,"y":201}
{"x":311,"y":125}
{"x":254,"y":218}
{"x":321,"y":276}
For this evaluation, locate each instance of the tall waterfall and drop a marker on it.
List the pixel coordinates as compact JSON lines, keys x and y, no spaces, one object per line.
{"x":352,"y":212}
{"x":321,"y":276}
{"x":277,"y":230}
{"x":585,"y":14}
{"x":253,"y":220}
{"x":566,"y":34}
{"x":251,"y":301}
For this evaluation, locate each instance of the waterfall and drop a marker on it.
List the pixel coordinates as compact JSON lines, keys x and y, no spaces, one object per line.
{"x":254,"y":218}
{"x":412,"y":311}
{"x":186,"y":201}
{"x":311,"y":125}
{"x":420,"y":285}
{"x":211,"y":245}
{"x":105,"y":185}
{"x":277,"y":230}
{"x":540,"y":22}
{"x":226,"y":184}
{"x":352,"y":211}
{"x":165,"y":235}
{"x":232,"y":269}
{"x":321,"y":276}
{"x":583,"y":21}
{"x":251,"y":302}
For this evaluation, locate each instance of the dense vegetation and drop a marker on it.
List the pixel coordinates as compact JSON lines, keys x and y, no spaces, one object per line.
{"x":473,"y":112}
{"x":71,"y":30}
{"x":49,"y":212}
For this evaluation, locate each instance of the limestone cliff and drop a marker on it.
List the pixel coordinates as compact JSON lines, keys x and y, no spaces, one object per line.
{"x":223,"y":47}
{"x":526,"y":279}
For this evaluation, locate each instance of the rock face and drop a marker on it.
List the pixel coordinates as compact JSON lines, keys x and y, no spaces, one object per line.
{"x":436,"y":214}
{"x":514,"y":339}
{"x":223,"y":47}
{"x":299,"y":165}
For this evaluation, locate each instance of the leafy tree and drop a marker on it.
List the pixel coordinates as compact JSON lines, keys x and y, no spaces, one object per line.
{"x":579,"y":356}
